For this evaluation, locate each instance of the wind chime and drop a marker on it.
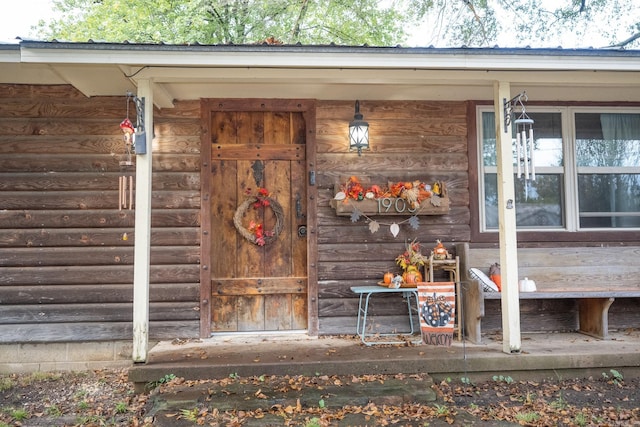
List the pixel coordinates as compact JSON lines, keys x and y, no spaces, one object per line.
{"x":524,"y":149}
{"x":125,"y":183}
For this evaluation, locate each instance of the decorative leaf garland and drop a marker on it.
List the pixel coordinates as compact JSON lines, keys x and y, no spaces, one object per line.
{"x":374,"y":226}
{"x":256,"y":233}
{"x":413,"y":192}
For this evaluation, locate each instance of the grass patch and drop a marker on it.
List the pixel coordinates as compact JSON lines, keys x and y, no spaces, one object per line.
{"x":38,"y":377}
{"x":121,"y":408}
{"x":18,"y":414}
{"x":53,"y":411}
{"x":6,"y":384}
{"x":527,"y":417}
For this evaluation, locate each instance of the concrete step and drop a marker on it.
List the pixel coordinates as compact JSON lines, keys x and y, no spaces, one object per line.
{"x":288,"y":393}
{"x":543,"y":355}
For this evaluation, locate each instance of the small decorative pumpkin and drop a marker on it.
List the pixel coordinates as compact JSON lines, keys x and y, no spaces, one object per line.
{"x":412,"y":275}
{"x":494,"y":275}
{"x":388,"y":277}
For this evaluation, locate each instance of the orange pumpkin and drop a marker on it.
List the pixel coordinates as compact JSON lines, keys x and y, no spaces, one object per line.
{"x":412,"y":277}
{"x":388,"y":276}
{"x":497,"y":279}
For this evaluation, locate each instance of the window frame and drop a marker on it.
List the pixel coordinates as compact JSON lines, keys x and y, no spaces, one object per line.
{"x":571,"y":232}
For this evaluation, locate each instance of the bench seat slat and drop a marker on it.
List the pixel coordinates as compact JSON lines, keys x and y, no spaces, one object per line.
{"x":569,"y":294}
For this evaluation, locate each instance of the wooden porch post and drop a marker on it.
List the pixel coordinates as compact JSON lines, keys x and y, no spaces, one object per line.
{"x":511,"y":342}
{"x":142,"y":243}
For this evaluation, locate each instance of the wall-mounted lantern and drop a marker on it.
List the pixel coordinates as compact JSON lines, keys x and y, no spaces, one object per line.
{"x":358,"y":132}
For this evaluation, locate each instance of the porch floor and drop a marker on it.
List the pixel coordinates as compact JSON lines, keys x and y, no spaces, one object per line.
{"x":553,"y":355}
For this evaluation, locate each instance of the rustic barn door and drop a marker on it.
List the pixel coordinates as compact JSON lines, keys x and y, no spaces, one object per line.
{"x":257,"y":190}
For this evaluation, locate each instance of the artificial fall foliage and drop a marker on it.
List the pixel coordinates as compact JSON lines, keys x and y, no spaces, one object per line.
{"x":412,"y":192}
{"x":412,"y":256}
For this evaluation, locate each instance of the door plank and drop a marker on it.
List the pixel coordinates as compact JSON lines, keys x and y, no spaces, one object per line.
{"x":257,"y":286}
{"x":274,"y":308}
{"x":277,"y":178}
{"x":299,"y":311}
{"x":251,"y":313}
{"x":224,"y":316}
{"x":257,"y":151}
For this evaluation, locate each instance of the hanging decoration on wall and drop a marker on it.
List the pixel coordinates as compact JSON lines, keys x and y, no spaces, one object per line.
{"x":525,"y":148}
{"x":256,"y":232}
{"x":135,"y":142}
{"x":400,"y":198}
{"x":127,"y":166}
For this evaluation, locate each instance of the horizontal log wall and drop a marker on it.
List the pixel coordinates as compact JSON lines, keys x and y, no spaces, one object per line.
{"x":66,"y":271}
{"x":424,"y":141}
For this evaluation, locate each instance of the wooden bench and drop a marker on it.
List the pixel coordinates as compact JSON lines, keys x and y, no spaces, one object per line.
{"x":584,"y":280}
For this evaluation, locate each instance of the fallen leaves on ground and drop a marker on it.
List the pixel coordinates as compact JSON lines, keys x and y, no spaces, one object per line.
{"x":106,"y":397}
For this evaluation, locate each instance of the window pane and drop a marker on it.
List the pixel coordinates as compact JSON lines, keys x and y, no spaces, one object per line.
{"x":547,"y":134}
{"x":607,"y":140}
{"x":489,"y":152}
{"x":539,"y":203}
{"x":605,"y":198}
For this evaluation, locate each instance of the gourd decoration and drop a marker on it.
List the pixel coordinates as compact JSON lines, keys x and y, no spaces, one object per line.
{"x":440,"y":252}
{"x":412,"y":275}
{"x":495,"y":276}
{"x":387,"y":278}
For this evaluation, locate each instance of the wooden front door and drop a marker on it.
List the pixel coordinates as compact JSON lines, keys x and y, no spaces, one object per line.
{"x":258,"y":216}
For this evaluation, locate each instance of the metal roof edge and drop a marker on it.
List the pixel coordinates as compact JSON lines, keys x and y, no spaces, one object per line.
{"x":9,"y":46}
{"x":331,"y":49}
{"x":9,"y":53}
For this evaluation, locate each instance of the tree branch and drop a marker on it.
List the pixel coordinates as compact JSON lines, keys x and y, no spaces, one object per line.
{"x":623,"y":43}
{"x":303,"y":12}
{"x":478,"y":19}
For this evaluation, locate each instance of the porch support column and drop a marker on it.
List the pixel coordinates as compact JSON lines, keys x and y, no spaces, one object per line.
{"x":511,"y":341}
{"x":142,"y":249}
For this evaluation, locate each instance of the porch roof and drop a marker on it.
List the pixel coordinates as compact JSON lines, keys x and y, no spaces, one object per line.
{"x":324,"y":72}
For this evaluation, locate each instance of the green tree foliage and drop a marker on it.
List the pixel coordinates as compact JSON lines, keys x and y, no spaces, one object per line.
{"x":474,"y":23}
{"x":537,"y":23}
{"x":347,"y":22}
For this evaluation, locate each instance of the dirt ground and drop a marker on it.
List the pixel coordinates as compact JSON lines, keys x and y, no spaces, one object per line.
{"x":106,"y":398}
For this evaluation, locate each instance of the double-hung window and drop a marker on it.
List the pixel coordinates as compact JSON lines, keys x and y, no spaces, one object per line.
{"x":587,"y":170}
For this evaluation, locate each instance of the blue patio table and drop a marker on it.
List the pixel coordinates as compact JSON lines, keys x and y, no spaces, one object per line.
{"x":365,"y":293}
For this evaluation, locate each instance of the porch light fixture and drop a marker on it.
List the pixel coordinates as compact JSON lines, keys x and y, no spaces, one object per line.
{"x":524,"y":135}
{"x":358,"y":132}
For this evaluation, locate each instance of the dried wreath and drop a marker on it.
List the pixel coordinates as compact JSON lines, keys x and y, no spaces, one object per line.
{"x":256,"y":233}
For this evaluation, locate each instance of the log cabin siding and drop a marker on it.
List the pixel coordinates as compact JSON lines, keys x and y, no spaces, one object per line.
{"x":409,"y":140}
{"x":66,"y":271}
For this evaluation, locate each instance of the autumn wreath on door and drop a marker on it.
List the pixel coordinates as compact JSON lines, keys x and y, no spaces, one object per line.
{"x":256,"y":232}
